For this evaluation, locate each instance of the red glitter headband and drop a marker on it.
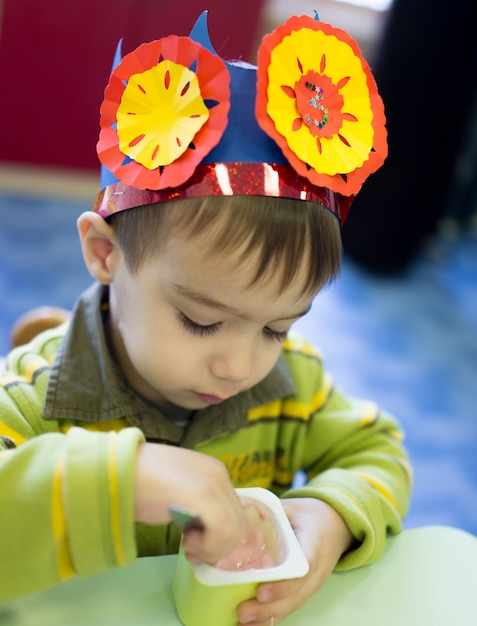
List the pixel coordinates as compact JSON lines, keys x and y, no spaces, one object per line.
{"x":226,"y":179}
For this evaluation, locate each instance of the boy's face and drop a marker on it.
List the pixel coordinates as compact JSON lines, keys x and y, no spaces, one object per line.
{"x":187,"y":329}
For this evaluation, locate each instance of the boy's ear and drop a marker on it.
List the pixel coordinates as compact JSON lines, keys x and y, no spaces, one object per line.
{"x":99,"y":246}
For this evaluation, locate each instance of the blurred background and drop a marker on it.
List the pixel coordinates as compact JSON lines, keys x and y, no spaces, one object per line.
{"x":400,"y":325}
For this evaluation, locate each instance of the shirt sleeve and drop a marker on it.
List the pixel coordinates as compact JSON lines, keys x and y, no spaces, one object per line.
{"x":66,"y":500}
{"x":354,"y":459}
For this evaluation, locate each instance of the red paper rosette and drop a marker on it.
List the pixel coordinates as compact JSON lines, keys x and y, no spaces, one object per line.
{"x":317,"y":98}
{"x":164,"y":109}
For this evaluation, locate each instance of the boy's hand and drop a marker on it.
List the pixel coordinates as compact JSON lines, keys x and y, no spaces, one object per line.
{"x":166,"y":475}
{"x":323,"y":536}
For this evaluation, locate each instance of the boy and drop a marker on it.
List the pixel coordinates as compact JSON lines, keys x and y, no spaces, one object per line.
{"x":175,"y":381}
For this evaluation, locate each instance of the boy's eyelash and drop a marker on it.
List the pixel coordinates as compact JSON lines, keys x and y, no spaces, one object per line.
{"x":197,"y":329}
{"x":275,"y":334}
{"x":208,"y":331}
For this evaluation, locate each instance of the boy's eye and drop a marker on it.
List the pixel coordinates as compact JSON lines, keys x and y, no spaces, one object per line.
{"x":202,"y":330}
{"x":275,"y":334}
{"x":197,"y":329}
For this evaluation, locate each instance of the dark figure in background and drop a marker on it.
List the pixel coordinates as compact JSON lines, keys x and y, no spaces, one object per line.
{"x":426,"y":70}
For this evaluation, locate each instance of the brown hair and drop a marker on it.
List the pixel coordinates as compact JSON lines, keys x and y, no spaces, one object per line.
{"x":286,"y":233}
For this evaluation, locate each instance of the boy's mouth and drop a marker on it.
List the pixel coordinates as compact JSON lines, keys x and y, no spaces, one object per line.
{"x":208,"y":399}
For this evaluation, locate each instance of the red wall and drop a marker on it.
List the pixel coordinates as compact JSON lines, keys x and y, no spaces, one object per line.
{"x":56,"y":56}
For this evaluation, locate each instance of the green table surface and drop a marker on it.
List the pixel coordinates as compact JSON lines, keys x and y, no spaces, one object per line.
{"x":426,"y":577}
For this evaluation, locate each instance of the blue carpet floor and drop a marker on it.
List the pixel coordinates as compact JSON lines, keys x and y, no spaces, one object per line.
{"x":408,"y":342}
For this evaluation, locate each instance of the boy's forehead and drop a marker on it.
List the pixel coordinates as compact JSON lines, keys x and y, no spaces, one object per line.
{"x":196,"y":272}
{"x":198,"y":258}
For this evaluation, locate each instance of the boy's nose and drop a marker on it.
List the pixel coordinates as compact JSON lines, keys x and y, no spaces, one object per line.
{"x":234,"y":364}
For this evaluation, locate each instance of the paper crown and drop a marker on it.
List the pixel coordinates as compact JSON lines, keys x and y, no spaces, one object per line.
{"x":179,"y":122}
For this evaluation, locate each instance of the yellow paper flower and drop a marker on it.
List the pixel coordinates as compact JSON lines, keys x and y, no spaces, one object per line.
{"x":317,"y":99}
{"x":160,"y":113}
{"x":165,"y":107}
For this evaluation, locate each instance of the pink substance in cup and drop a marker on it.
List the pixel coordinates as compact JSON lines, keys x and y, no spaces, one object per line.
{"x":260,"y":546}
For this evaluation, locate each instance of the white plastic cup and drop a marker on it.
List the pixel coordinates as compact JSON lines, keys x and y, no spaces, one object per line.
{"x":208,"y":596}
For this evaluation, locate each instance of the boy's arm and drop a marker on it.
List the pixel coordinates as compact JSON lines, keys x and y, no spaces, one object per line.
{"x":66,"y":500}
{"x":352,"y":455}
{"x":364,"y":474}
{"x":358,"y":490}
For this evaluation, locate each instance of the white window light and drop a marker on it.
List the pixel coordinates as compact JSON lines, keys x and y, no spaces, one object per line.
{"x":376,"y":5}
